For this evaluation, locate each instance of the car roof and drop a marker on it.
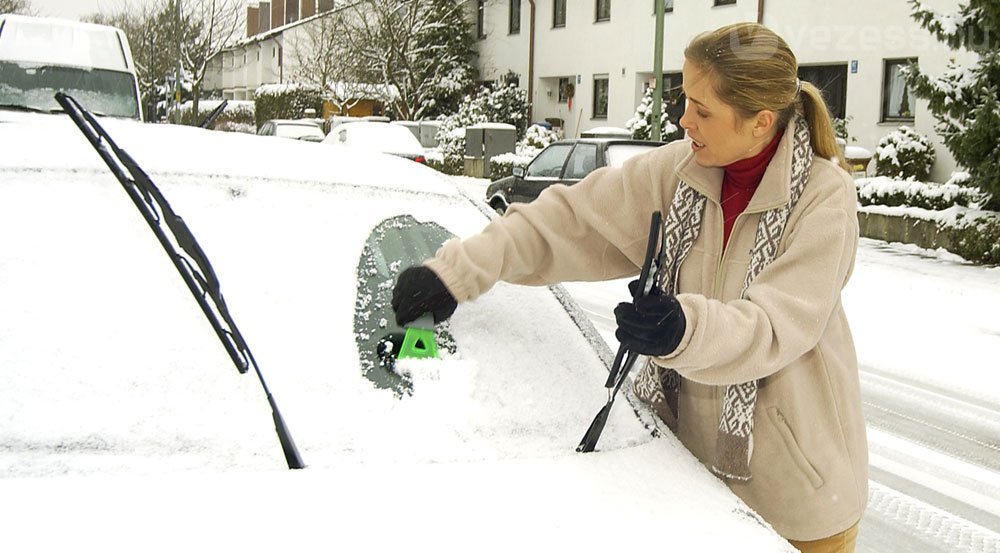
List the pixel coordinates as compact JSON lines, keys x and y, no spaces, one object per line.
{"x":51,"y":40}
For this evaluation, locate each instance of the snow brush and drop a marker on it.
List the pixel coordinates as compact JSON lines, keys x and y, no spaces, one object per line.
{"x":183,"y":250}
{"x":618,"y":372}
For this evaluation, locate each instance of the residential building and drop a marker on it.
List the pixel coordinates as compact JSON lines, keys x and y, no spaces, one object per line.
{"x":267,"y":54}
{"x":586,"y":63}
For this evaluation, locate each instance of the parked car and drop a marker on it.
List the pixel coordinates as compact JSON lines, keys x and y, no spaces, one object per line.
{"x":299,"y":129}
{"x":377,"y":136}
{"x":119,"y":405}
{"x":41,"y":55}
{"x":562,"y":162}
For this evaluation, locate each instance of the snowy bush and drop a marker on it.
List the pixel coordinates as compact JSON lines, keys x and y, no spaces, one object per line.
{"x":286,"y":101}
{"x":904,"y":153}
{"x":840,"y":128}
{"x":507,"y":104}
{"x":976,"y":239}
{"x":891,"y":192}
{"x":641,"y":124}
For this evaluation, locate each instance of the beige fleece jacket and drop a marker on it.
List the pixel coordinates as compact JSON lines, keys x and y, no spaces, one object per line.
{"x":810,"y":456}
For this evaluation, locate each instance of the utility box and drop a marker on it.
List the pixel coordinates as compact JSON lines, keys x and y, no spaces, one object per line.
{"x":428,"y":133}
{"x":482,"y":142}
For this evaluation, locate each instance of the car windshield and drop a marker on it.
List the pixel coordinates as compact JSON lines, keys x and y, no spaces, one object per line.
{"x":550,"y":162}
{"x":102,"y":91}
{"x":297,"y":130}
{"x":618,"y":154}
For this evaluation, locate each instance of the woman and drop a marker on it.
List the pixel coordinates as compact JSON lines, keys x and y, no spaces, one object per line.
{"x":750,"y":357}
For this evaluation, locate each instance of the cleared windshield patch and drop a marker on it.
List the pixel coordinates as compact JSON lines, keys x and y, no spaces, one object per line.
{"x":394,"y":245}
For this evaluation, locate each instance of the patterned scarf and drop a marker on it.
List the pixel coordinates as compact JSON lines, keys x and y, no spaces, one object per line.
{"x":660,"y":386}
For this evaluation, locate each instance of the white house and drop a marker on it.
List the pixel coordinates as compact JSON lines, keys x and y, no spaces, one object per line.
{"x":852,"y":49}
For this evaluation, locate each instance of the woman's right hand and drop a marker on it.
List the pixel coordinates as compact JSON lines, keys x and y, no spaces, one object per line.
{"x":418,"y":290}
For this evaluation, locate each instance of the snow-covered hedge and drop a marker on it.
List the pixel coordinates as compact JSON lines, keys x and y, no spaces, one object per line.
{"x":286,"y":101}
{"x":894,"y":192}
{"x":904,"y":153}
{"x":238,"y":115}
{"x":977,"y":239}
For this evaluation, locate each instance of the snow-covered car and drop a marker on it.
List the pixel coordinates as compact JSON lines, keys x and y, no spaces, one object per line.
{"x":124,"y":422}
{"x":377,"y":136}
{"x":299,"y":129}
{"x":562,"y":162}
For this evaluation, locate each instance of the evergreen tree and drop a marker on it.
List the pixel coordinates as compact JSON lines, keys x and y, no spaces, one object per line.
{"x":966,"y":100}
{"x":641,"y":124}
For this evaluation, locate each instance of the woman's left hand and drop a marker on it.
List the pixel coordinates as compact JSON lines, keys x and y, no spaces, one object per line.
{"x":652,"y":325}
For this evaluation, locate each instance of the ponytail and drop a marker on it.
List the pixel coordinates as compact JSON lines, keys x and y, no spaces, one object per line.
{"x":824,"y":140}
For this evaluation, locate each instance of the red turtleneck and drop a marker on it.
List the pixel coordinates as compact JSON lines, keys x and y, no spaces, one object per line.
{"x":739,"y":183}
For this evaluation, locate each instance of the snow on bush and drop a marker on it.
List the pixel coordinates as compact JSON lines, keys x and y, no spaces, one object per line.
{"x":904,"y":153}
{"x":286,"y":101}
{"x":641,"y":124}
{"x":507,"y":104}
{"x":892,"y":192}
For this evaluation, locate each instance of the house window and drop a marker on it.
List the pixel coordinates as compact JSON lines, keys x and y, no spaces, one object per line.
{"x":558,"y":13}
{"x":603,"y":9}
{"x":897,"y":98}
{"x":724,"y":2}
{"x":481,"y":18}
{"x":831,"y":80}
{"x":668,"y":6}
{"x":600,"y":97}
{"x":514,"y":27}
{"x":291,"y":11}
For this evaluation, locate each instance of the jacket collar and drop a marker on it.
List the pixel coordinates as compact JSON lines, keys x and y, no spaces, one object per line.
{"x":774,"y":189}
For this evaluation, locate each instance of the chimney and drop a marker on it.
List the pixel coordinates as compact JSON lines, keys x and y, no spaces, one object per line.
{"x":265,"y":17}
{"x":253,"y":21}
{"x":325,"y":5}
{"x":308,"y":8}
{"x":277,"y":13}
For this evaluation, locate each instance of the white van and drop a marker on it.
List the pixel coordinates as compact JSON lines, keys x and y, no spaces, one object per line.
{"x":40,"y":56}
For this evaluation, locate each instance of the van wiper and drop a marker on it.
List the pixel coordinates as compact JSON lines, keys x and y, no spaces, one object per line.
{"x":184,"y":251}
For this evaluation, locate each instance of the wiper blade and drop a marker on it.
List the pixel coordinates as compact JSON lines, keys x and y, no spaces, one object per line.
{"x":32,"y":109}
{"x":183,"y":250}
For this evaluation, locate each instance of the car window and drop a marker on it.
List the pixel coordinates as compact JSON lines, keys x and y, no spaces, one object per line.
{"x":582,"y":161}
{"x":550,"y":162}
{"x":395,"y":244}
{"x":101,"y":91}
{"x":618,"y":154}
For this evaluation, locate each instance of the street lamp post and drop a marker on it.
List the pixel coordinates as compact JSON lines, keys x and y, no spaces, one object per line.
{"x":657,"y":133}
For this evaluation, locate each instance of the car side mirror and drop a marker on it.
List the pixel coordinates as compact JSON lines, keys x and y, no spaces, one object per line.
{"x":518,"y":172}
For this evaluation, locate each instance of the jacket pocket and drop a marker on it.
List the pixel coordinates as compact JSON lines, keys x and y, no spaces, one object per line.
{"x":779,"y":422}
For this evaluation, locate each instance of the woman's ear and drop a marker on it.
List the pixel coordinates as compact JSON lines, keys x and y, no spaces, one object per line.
{"x":764,"y":123}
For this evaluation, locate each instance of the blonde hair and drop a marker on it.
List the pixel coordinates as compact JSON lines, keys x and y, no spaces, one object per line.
{"x":755,"y":70}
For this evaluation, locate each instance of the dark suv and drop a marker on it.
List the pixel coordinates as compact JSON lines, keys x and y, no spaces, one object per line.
{"x":562,"y":162}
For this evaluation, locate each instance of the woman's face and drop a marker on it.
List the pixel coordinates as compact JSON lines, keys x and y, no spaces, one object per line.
{"x":719,"y":136}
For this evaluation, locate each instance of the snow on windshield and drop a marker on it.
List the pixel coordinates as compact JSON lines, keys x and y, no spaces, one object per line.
{"x":297,"y":130}
{"x":99,"y":91}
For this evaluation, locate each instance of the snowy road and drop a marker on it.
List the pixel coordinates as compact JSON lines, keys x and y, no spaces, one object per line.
{"x":934,"y":445}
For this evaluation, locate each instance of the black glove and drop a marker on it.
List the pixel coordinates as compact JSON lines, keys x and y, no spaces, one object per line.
{"x":418,"y":290}
{"x":652,"y":325}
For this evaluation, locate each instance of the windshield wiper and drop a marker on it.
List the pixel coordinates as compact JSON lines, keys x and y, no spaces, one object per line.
{"x":32,"y":109}
{"x":184,"y":251}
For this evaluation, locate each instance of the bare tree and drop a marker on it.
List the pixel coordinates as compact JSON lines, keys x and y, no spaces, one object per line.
{"x":322,"y":60}
{"x":420,"y":50}
{"x":219,"y":25}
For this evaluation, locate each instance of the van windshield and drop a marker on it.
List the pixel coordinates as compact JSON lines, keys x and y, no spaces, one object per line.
{"x":101,"y":91}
